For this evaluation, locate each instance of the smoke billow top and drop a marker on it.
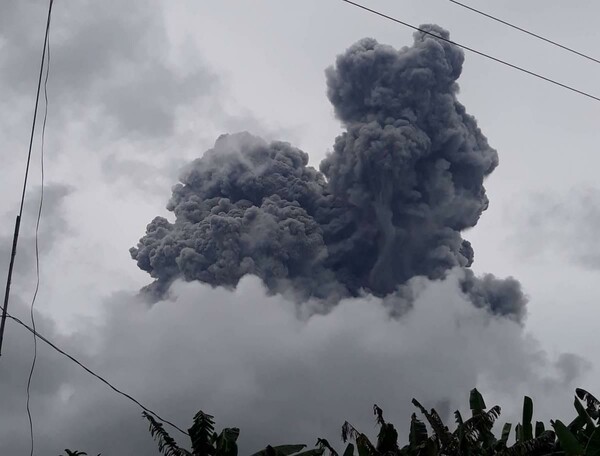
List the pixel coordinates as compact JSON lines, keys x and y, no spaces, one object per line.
{"x":388,"y":203}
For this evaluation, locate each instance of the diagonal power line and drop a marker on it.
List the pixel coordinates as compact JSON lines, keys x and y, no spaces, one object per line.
{"x":25,"y":179}
{"x":520,"y":29}
{"x":4,"y":308}
{"x":475,"y":51}
{"x":94,"y":374}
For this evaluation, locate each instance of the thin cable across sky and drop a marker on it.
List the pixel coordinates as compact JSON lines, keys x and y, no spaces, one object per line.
{"x":521,"y":29}
{"x":475,"y":51}
{"x":91,"y":372}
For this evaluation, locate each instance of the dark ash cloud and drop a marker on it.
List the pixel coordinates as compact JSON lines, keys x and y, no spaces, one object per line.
{"x":233,"y":220}
{"x":499,"y":296}
{"x":388,"y":204}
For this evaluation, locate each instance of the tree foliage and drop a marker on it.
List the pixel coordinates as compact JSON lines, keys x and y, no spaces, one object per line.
{"x":475,"y":436}
{"x":471,"y":437}
{"x":204,"y":441}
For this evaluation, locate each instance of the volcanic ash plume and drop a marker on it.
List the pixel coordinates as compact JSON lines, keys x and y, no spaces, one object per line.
{"x":388,"y":204}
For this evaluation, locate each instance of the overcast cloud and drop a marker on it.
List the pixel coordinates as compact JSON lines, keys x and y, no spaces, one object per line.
{"x":247,"y":358}
{"x":137,"y":89}
{"x":111,"y":57}
{"x":564,"y":227}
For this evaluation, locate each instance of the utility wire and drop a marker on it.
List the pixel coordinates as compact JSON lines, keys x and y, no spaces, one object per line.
{"x":475,"y":51}
{"x":37,"y":249}
{"x":18,"y":219}
{"x":520,"y":29}
{"x":5,"y":314}
{"x":91,"y":372}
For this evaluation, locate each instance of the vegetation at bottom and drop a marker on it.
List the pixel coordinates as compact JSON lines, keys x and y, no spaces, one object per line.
{"x":472,"y":436}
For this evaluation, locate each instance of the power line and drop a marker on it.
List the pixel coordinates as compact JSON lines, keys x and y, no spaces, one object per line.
{"x":18,"y":219}
{"x":520,"y":29}
{"x":91,"y":372}
{"x":475,"y":51}
{"x":37,"y":230}
{"x":5,"y":314}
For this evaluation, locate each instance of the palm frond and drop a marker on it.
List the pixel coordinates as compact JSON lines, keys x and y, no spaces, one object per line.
{"x":486,"y":419}
{"x":502,"y":443}
{"x":458,"y":418}
{"x":439,"y":428}
{"x":418,"y":432}
{"x":324,"y":444}
{"x":379,"y":414}
{"x":349,"y":432}
{"x":282,"y":450}
{"x":387,"y":439}
{"x":593,"y":404}
{"x":349,"y":451}
{"x":540,"y":428}
{"x":202,"y":434}
{"x":166,"y":444}
{"x":313,"y":452}
{"x":478,"y":428}
{"x":476,"y":402}
{"x":542,"y":444}
{"x":363,"y":444}
{"x":226,"y":442}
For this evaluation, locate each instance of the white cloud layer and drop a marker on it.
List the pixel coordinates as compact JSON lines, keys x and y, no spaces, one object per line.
{"x":251,"y":361}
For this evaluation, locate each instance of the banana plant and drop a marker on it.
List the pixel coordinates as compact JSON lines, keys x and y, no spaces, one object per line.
{"x":471,"y":437}
{"x":206,"y":442}
{"x":75,"y":453}
{"x":582,"y":435}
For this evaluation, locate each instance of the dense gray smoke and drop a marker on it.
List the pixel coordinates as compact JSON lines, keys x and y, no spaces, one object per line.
{"x":245,"y":207}
{"x":388,"y":204}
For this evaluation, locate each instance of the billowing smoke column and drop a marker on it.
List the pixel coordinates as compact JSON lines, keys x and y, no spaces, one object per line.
{"x":389,"y":203}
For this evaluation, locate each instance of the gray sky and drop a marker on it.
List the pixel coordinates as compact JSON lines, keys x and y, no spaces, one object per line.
{"x":138,"y":88}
